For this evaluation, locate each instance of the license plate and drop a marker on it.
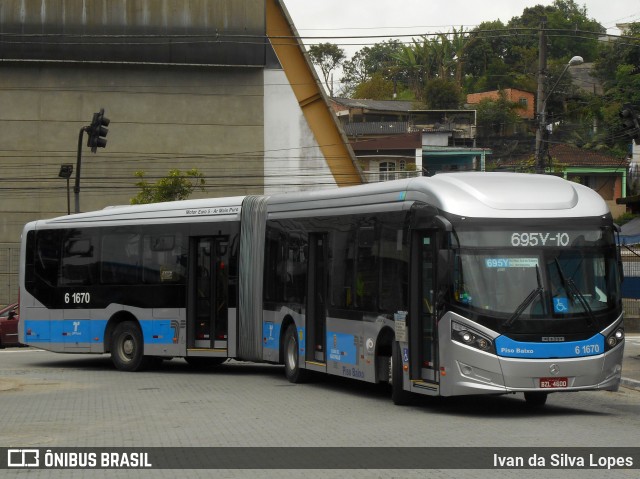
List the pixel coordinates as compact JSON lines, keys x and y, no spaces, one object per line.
{"x":551,"y":383}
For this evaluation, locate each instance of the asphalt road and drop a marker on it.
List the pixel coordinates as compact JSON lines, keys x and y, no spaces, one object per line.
{"x":52,"y":400}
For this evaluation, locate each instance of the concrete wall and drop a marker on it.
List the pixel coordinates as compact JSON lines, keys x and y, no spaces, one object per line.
{"x":185,"y":83}
{"x":293,"y":158}
{"x":161,"y":118}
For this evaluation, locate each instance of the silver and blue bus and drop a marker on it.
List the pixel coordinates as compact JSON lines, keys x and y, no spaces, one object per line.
{"x":457,"y":284}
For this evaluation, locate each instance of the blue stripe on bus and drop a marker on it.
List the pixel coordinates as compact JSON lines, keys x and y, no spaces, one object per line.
{"x":341,"y":347}
{"x":509,"y":348}
{"x":156,"y":331}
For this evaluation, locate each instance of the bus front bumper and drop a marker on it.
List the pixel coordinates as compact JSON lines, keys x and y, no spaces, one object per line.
{"x":466,"y":371}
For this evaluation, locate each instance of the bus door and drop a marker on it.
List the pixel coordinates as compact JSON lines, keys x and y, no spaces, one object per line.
{"x":208,"y":292}
{"x":423,"y":353}
{"x":316,"y":298}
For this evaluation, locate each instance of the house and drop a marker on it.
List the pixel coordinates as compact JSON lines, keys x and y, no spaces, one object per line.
{"x":392,"y":139}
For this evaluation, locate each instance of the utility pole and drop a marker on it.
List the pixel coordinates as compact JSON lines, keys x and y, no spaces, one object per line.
{"x":541,"y":115}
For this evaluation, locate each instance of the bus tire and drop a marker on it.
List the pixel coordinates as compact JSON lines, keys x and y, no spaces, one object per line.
{"x":127,"y":347}
{"x":292,"y":369}
{"x":535,"y":399}
{"x":399,"y":396}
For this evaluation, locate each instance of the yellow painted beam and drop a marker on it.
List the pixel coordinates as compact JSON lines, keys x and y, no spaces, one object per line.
{"x":311,"y":97}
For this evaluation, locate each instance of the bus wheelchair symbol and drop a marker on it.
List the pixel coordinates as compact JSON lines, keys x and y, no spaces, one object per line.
{"x":560,"y":305}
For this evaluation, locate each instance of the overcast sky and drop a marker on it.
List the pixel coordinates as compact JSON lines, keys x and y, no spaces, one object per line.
{"x":415,"y":17}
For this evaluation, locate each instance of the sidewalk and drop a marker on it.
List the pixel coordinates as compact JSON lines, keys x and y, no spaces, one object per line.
{"x":631,"y":362}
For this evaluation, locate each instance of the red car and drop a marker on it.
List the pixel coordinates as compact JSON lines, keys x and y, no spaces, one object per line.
{"x":9,"y":317}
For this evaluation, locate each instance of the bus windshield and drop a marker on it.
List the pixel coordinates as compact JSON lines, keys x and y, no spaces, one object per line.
{"x":562,"y":279}
{"x":577,"y":282}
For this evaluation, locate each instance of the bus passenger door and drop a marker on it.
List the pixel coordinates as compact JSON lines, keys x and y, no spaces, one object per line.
{"x":423,"y":334}
{"x":208,"y":293}
{"x":316,"y":299}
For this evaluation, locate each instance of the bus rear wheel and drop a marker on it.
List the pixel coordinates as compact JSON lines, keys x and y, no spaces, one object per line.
{"x":292,"y":369}
{"x":127,"y":347}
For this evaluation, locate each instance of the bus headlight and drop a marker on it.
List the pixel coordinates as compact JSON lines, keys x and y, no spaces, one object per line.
{"x":469,"y":336}
{"x":615,"y":338}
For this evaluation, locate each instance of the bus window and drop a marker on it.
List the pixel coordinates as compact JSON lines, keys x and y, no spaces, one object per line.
{"x":296,"y":269}
{"x":47,"y":256}
{"x":163,"y":259}
{"x":341,"y":267}
{"x":79,"y":263}
{"x":367,"y":269}
{"x":120,"y":258}
{"x":394,"y":270}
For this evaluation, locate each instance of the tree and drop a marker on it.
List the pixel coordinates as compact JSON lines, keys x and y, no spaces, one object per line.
{"x":496,"y":118}
{"x":376,"y":88}
{"x":328,"y":56}
{"x":379,"y":58}
{"x":175,"y":186}
{"x":440,"y":94}
{"x":617,"y":69}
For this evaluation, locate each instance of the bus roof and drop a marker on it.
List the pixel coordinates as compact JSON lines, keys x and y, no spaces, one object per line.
{"x":470,"y":194}
{"x":223,"y":209}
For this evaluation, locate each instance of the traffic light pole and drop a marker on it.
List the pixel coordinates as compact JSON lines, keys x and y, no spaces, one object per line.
{"x":76,"y":188}
{"x":97,"y":132}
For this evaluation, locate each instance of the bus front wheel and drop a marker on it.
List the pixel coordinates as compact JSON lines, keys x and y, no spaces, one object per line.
{"x":292,"y":369}
{"x":127,"y":347}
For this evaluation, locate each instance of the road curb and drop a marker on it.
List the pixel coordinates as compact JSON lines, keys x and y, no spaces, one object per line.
{"x":630,"y":383}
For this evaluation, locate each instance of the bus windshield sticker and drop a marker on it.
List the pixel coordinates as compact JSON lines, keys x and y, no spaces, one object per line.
{"x":511,"y":262}
{"x":561,"y":305}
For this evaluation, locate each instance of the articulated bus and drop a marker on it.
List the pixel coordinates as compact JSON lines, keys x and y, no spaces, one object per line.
{"x":457,"y":284}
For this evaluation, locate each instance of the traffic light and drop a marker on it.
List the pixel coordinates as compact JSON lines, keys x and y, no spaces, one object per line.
{"x":631,"y":122}
{"x":97,"y":131}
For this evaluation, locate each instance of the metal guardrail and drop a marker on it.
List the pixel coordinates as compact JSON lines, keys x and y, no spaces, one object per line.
{"x":631,"y":286}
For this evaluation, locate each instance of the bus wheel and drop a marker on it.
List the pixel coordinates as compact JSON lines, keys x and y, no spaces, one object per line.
{"x":535,"y":399}
{"x":203,"y":362}
{"x":400,"y":396}
{"x":291,"y":360}
{"x":127,"y":348}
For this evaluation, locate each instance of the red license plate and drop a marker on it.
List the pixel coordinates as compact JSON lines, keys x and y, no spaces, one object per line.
{"x":551,"y":383}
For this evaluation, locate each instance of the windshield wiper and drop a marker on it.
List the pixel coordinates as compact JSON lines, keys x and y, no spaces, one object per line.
{"x":527,"y":301}
{"x":575,"y":294}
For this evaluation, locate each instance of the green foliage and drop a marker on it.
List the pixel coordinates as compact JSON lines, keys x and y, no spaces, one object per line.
{"x":497,"y":56}
{"x":622,"y":51}
{"x":442,"y":94}
{"x":624,"y":218}
{"x":370,"y":60}
{"x":376,"y":88}
{"x":328,"y":56}
{"x":175,"y":186}
{"x":496,"y":117}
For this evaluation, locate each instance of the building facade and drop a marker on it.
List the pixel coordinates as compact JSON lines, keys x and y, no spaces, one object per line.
{"x":223,"y":86}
